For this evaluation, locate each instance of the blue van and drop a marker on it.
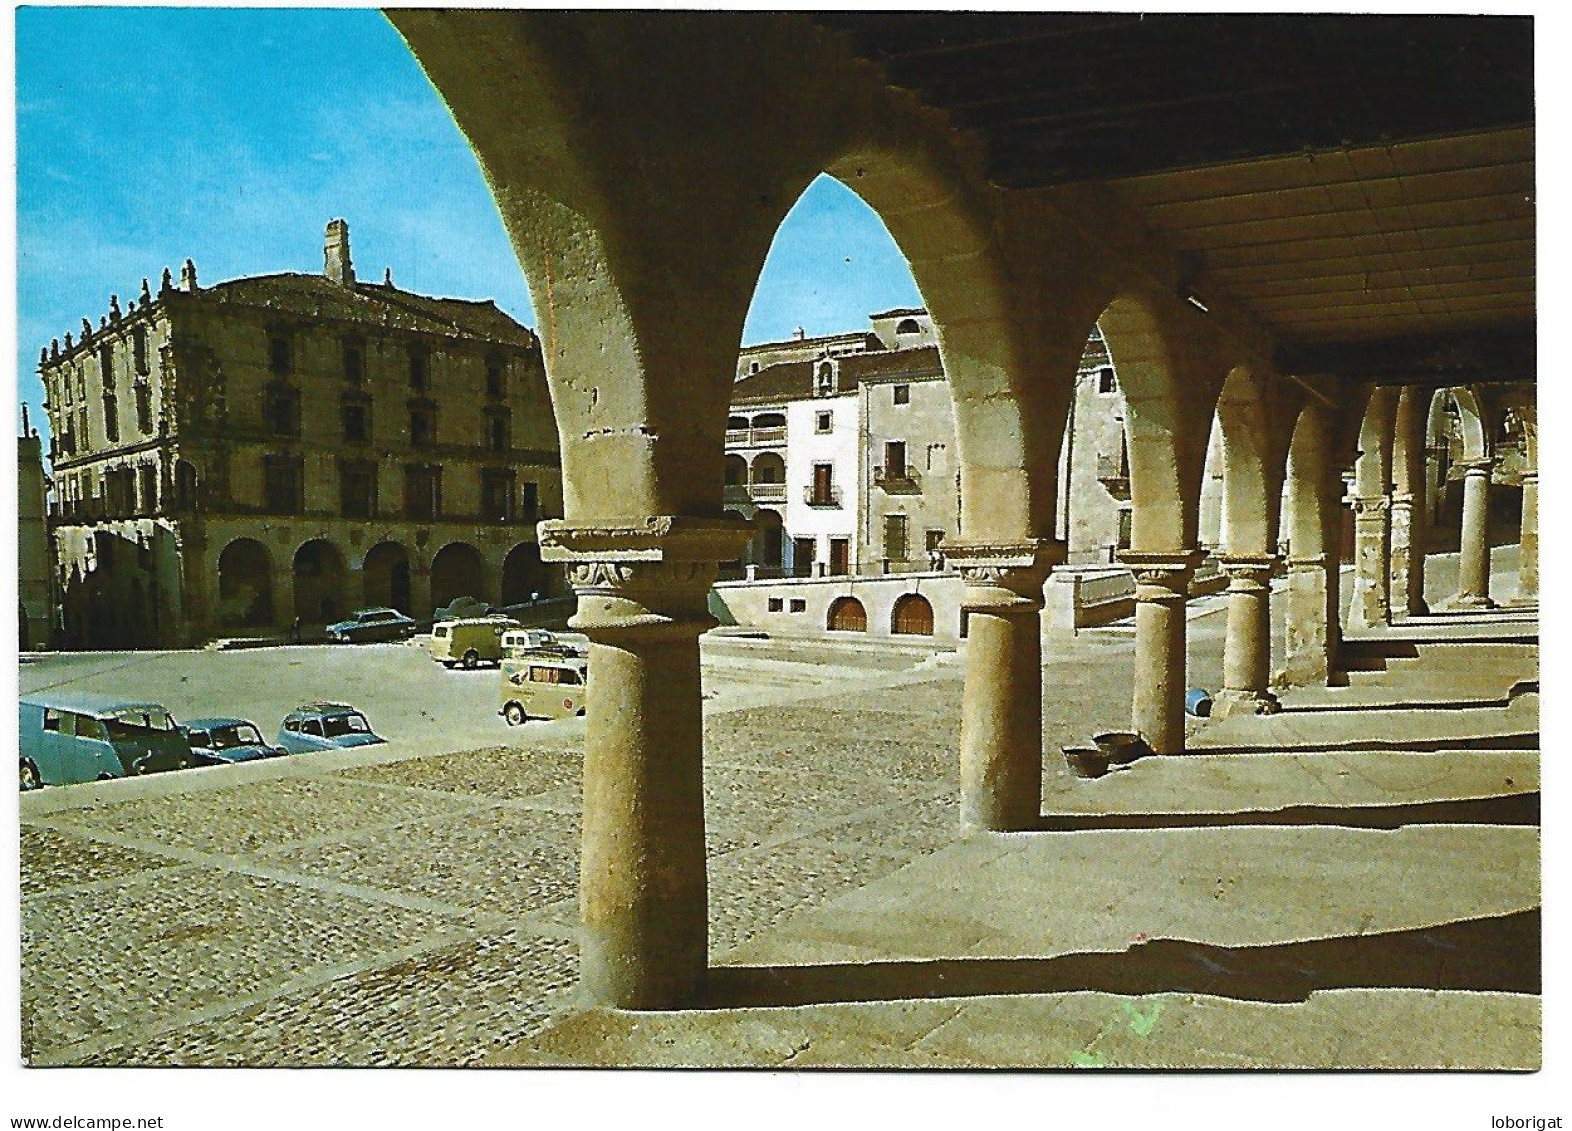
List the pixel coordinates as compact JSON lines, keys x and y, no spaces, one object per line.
{"x":66,"y":738}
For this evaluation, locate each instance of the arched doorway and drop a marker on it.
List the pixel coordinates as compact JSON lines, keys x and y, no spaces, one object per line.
{"x":385,"y":577}
{"x":524,"y":575}
{"x":913,"y":616}
{"x":769,"y":540}
{"x":245,"y":583}
{"x":848,"y":615}
{"x":457,"y":571}
{"x":319,"y":582}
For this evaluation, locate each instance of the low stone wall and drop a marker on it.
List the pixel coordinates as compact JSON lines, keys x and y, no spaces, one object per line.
{"x":1078,"y":597}
{"x":800,"y":606}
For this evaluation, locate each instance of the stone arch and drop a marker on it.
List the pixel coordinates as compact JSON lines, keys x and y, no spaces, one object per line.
{"x":457,"y":570}
{"x":245,"y":583}
{"x":1373,"y":466}
{"x":1255,"y":455}
{"x":1474,"y":419}
{"x":524,"y":574}
{"x":319,"y":574}
{"x":768,"y":467}
{"x":385,"y":577}
{"x":736,"y":470}
{"x":769,"y":539}
{"x":912,"y":616}
{"x":1168,"y":415}
{"x":847,"y":615}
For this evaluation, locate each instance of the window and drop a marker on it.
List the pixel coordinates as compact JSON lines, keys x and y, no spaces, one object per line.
{"x":147,"y":486}
{"x":422,"y":491}
{"x":798,"y":605}
{"x":51,"y":719}
{"x":106,"y":364}
{"x":419,"y":368}
{"x":903,"y":394}
{"x":357,"y":490}
{"x":753,"y":367}
{"x":283,"y":489}
{"x":895,"y":459}
{"x":824,"y":422}
{"x":139,"y":349}
{"x":495,"y":374}
{"x":354,"y":363}
{"x":826,"y":379}
{"x":278,"y":359}
{"x":802,"y":554}
{"x":496,"y":495}
{"x":1105,"y":380}
{"x":422,"y":426}
{"x":529,"y":501}
{"x":823,"y":494}
{"x":357,"y":421}
{"x":908,"y":326}
{"x":111,"y":419}
{"x":281,"y":406}
{"x":144,"y":407}
{"x":498,"y":431}
{"x":895,"y":537}
{"x":776,"y":605}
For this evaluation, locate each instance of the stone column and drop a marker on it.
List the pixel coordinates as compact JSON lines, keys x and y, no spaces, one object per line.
{"x":1162,"y":584}
{"x":1473,"y":559}
{"x":1408,"y":558}
{"x":1247,"y":649}
{"x":1370,"y":606}
{"x":643,"y":893}
{"x":1311,"y":620}
{"x":1528,"y":544}
{"x":1002,"y":708}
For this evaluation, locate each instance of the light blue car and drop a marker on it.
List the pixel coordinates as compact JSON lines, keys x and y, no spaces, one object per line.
{"x":325,"y":726}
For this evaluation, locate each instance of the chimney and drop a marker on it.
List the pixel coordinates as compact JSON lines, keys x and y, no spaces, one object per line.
{"x":188,"y":276}
{"x":26,"y":427}
{"x":335,"y":254}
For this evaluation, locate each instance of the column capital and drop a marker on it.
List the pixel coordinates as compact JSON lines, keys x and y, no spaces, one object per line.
{"x":1305,"y":562}
{"x":1402,"y":500}
{"x":1476,"y":465}
{"x":1162,"y":575}
{"x":642,"y":576}
{"x":1248,"y":571}
{"x":1001,"y":575}
{"x":1370,"y":506}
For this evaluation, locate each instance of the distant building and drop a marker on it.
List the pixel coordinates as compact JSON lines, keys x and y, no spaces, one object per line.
{"x":842,"y":451}
{"x":231,"y":458}
{"x":35,"y":559}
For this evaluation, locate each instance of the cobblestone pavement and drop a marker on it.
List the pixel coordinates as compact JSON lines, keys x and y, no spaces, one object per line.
{"x":411,"y":905}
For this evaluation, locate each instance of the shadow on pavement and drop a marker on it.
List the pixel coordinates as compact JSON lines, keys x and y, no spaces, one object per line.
{"x":1493,"y":954}
{"x":1515,"y":809}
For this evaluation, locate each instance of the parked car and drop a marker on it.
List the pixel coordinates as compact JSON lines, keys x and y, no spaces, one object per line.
{"x":365,"y":626}
{"x":540,"y":685}
{"x":66,"y":738}
{"x":461,"y":608}
{"x":469,"y":641}
{"x":217,"y":742}
{"x":325,"y":726}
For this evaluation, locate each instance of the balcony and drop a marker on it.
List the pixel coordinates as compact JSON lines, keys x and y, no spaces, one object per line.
{"x":826,"y":497}
{"x":897,"y":480}
{"x":756,"y":437}
{"x":1114,"y":474}
{"x":769,"y":492}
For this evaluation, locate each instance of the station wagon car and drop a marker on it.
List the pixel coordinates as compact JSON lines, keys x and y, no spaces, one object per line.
{"x":368,"y":625}
{"x":66,"y":738}
{"x":325,"y":726}
{"x":216,"y":742}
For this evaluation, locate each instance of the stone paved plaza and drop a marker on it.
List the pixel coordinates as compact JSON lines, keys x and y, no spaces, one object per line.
{"x":414,"y":904}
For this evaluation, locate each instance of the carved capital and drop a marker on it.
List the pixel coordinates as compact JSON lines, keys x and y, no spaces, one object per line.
{"x":642,"y":579}
{"x":1004,"y":576}
{"x":1370,"y":506}
{"x":1402,"y":501}
{"x":1248,"y":573}
{"x":1479,"y":465}
{"x":1304,"y":563}
{"x":1163,"y":575}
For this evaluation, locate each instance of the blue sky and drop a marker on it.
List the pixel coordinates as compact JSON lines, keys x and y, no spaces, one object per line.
{"x":232,"y":136}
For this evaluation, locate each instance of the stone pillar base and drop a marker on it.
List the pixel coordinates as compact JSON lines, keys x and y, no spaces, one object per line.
{"x":1226,"y":703}
{"x":1466,"y":602}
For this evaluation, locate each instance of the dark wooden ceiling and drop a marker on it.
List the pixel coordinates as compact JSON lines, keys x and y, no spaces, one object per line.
{"x":1348,"y":179}
{"x":1061,"y":98}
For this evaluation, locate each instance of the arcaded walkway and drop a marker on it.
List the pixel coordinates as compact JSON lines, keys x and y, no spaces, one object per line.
{"x":1226,"y":907}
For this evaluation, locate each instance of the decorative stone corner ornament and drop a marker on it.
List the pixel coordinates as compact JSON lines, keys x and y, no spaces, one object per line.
{"x":632,"y":576}
{"x":1162,"y":575}
{"x":1004,"y":577}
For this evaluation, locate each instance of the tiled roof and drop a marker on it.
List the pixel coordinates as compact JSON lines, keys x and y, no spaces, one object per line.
{"x":900,"y":312}
{"x":793,"y":380}
{"x":316,"y":296}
